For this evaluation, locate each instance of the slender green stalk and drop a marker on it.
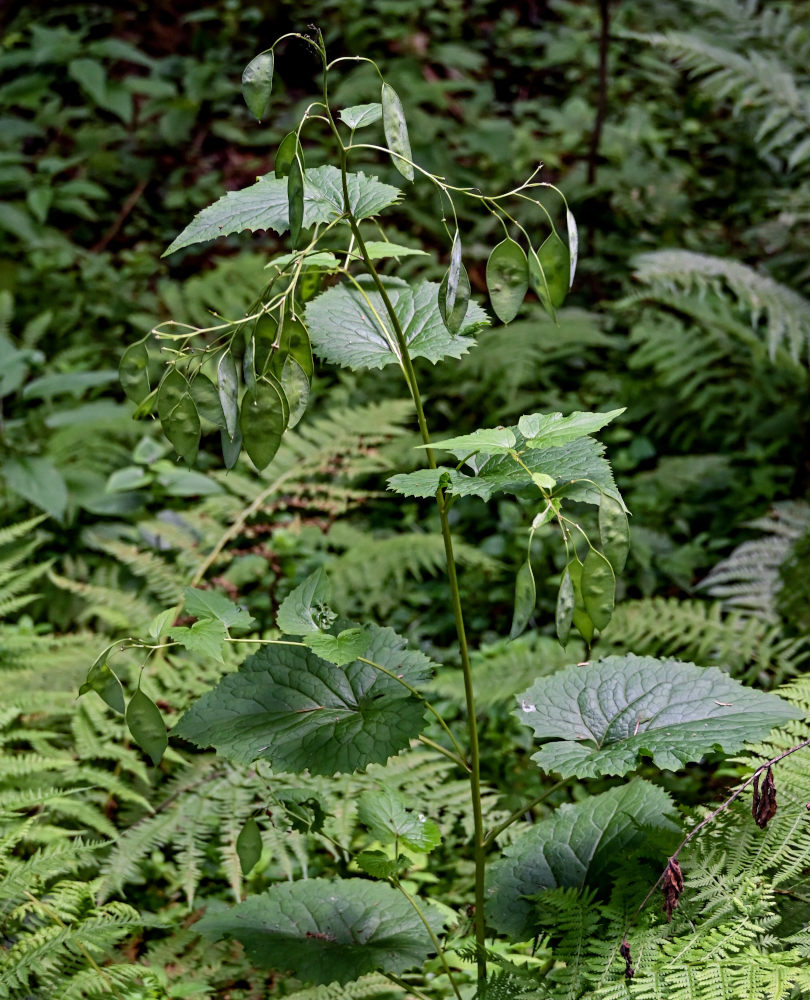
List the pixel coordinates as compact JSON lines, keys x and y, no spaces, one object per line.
{"x":452,"y":578}
{"x":431,"y":932}
{"x":498,"y":830}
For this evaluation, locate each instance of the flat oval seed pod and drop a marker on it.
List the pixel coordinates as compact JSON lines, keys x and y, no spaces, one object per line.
{"x":262,"y":423}
{"x":454,"y":291}
{"x":182,"y":428}
{"x":550,"y":283}
{"x":257,"y":82}
{"x":573,"y":244}
{"x":147,"y":726}
{"x":614,"y":532}
{"x":133,"y":372}
{"x":396,"y":131}
{"x":206,"y":399}
{"x":286,"y":153}
{"x":231,"y":447}
{"x":172,"y":387}
{"x":295,"y":199}
{"x":580,"y":619}
{"x":564,"y":615}
{"x":264,"y":337}
{"x":525,"y":599}
{"x":598,"y":588}
{"x":507,"y":279}
{"x":228,"y":389}
{"x":249,"y":845}
{"x":295,"y":384}
{"x":106,"y":685}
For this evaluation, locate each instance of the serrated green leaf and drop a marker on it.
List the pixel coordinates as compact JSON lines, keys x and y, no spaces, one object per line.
{"x":454,"y":290}
{"x":396,"y":131}
{"x":160,"y":623}
{"x":345,"y":325}
{"x":380,"y":249}
{"x":304,"y":609}
{"x":328,"y":930}
{"x":604,"y":717}
{"x":210,"y":604}
{"x":264,"y":205}
{"x":295,"y":200}
{"x":379,"y":865}
{"x":228,"y":390}
{"x":389,"y":819}
{"x":550,"y":430}
{"x":288,"y":149}
{"x":287,"y":705}
{"x":341,"y":648}
{"x":147,"y":727}
{"x":262,"y":422}
{"x":507,"y":279}
{"x":361,"y":115}
{"x":257,"y":83}
{"x":564,"y":614}
{"x":106,"y":685}
{"x":614,"y":532}
{"x":525,"y":599}
{"x":544,"y":482}
{"x":206,"y":637}
{"x":598,"y":584}
{"x":133,"y":372}
{"x":489,"y":440}
{"x":249,"y":846}
{"x":578,"y":845}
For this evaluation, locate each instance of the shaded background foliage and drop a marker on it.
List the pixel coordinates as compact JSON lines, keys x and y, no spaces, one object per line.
{"x":118,"y":124}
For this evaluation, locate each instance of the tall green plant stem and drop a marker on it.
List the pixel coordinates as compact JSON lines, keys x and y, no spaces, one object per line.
{"x":452,"y":577}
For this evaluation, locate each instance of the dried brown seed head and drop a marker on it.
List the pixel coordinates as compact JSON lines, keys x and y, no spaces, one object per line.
{"x":672,"y":887}
{"x":624,"y":951}
{"x":764,"y":804}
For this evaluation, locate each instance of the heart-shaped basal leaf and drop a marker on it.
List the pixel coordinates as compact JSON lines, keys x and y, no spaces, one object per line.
{"x":604,"y":717}
{"x":287,"y":705}
{"x":264,"y":205}
{"x":577,"y":845}
{"x":344,"y":324}
{"x":328,"y":930}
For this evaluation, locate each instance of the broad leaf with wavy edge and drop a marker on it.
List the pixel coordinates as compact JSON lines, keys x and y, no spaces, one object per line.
{"x":327,"y":930}
{"x":264,"y":205}
{"x":604,"y":717}
{"x":576,"y":846}
{"x":288,"y":706}
{"x":578,"y":468}
{"x":350,"y":327}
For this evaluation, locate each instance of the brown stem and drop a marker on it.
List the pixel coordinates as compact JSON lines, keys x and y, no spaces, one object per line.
{"x":712,"y":816}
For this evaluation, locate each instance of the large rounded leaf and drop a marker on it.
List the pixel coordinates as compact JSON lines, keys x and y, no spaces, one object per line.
{"x":604,"y":717}
{"x":328,"y":930}
{"x":576,"y":846}
{"x":287,"y":705}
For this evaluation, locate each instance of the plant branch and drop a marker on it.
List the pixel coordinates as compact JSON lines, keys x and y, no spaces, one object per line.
{"x":713,"y":815}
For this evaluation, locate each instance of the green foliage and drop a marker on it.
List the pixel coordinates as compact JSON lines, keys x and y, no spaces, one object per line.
{"x":115,"y":133}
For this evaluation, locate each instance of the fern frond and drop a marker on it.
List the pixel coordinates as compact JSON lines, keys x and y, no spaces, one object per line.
{"x":706,"y":634}
{"x":781,"y":315}
{"x":748,"y":580}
